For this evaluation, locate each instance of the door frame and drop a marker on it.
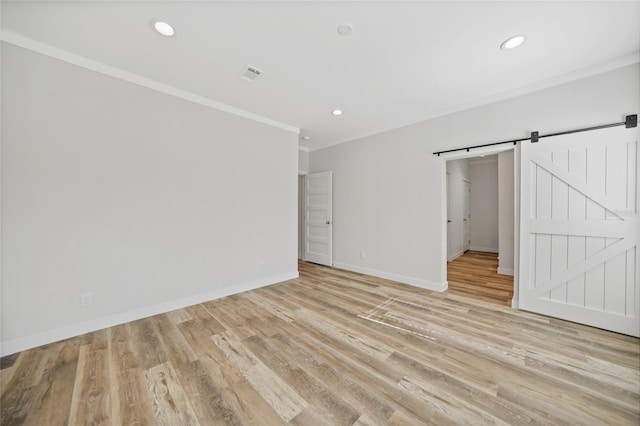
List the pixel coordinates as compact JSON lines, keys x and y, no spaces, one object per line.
{"x":448,"y":214}
{"x":301,"y":181}
{"x":516,"y":197}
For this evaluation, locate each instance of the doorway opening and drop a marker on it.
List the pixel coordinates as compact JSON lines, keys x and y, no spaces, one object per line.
{"x":301,"y":216}
{"x":481,"y":239}
{"x":315,"y":218}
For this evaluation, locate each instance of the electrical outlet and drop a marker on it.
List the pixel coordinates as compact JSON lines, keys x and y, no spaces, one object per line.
{"x":363,"y":255}
{"x":261,"y":266}
{"x":86,"y":299}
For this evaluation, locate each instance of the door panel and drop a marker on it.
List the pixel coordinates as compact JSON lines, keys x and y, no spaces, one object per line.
{"x":449,"y":215}
{"x":318,"y":218}
{"x":579,"y":228}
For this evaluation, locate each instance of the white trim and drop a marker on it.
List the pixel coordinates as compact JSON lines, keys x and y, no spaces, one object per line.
{"x":489,"y":150}
{"x":81,"y":61}
{"x":516,"y":227}
{"x":505,"y":271}
{"x":416,"y":282}
{"x":444,"y":217}
{"x":302,"y":172}
{"x":485,"y":249}
{"x":507,"y":94}
{"x":22,"y":343}
{"x":455,"y":256}
{"x":303,"y":148}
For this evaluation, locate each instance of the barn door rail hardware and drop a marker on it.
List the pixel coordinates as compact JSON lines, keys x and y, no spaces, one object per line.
{"x":629,"y":122}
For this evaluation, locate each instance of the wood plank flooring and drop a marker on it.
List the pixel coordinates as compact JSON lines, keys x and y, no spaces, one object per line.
{"x":330,"y":348}
{"x":474,"y":274}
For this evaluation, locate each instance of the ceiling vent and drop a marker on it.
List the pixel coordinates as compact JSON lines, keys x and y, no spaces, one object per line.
{"x":250,"y":73}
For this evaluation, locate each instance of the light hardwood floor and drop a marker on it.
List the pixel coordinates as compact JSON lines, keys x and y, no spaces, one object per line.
{"x":475,"y":274}
{"x":331,"y":347}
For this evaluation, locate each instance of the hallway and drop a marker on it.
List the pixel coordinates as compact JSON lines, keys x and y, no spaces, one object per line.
{"x":474,"y":274}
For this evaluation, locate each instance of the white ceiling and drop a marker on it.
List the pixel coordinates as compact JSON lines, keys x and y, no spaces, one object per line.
{"x":404,"y":62}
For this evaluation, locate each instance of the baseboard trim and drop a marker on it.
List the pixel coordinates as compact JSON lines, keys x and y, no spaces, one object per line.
{"x":514,"y":304}
{"x":38,"y":339}
{"x":505,"y":271}
{"x":455,"y":256}
{"x":485,"y":249}
{"x":416,"y":282}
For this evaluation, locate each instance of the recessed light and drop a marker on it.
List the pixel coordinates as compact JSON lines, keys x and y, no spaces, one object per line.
{"x":512,"y":42}
{"x":345,"y":30}
{"x":163,"y":28}
{"x":336,"y":112}
{"x":306,"y":138}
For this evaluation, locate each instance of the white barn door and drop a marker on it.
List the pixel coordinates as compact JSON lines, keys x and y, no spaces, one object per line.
{"x":318,"y":218}
{"x":579,"y":228}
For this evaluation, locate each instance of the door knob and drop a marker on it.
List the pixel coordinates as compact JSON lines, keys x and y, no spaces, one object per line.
{"x":449,"y":221}
{"x":328,"y":222}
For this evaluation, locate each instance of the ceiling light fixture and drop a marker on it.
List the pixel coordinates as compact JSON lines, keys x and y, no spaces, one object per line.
{"x":336,"y":112}
{"x":345,"y":30}
{"x":163,"y":28}
{"x":306,"y":138}
{"x":512,"y":42}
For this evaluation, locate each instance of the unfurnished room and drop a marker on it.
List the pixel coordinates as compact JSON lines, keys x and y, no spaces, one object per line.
{"x":319,"y":212}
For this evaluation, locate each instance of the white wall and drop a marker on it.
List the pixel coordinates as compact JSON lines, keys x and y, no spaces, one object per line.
{"x":458,"y":171}
{"x":484,"y":205}
{"x":388,"y":188}
{"x":303,"y":161}
{"x":146,"y":201}
{"x":506,"y":191}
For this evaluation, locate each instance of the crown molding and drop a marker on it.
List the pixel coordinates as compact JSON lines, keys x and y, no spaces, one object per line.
{"x":507,"y":94}
{"x":84,"y":62}
{"x":303,"y":148}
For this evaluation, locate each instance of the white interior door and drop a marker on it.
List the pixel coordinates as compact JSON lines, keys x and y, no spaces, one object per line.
{"x":579,"y":228}
{"x":300,"y":217}
{"x":449,"y":220}
{"x":466,"y":217}
{"x":318,"y":218}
